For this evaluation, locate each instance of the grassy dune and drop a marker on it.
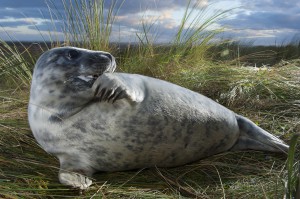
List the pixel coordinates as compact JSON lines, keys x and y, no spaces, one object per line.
{"x":269,"y":96}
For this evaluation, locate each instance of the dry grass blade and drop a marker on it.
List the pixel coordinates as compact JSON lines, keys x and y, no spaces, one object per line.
{"x":175,"y":183}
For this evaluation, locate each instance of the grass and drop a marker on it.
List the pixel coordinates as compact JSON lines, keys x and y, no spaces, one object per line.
{"x":249,"y":55}
{"x":292,"y":184}
{"x":15,"y":65}
{"x":268,"y":96}
{"x":188,"y":46}
{"x":87,"y":25}
{"x":28,"y":172}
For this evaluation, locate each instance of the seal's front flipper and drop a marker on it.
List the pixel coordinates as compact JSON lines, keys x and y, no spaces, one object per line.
{"x":74,"y":172}
{"x":115,"y":86}
{"x":254,"y":137}
{"x":75,"y":180}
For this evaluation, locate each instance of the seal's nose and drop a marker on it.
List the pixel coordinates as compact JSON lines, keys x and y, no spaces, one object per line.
{"x":109,"y":56}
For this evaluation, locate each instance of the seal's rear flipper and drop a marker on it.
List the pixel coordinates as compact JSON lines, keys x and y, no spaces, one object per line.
{"x":253,"y":137}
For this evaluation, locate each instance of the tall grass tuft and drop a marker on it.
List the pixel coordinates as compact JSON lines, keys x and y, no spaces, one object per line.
{"x":16,"y":63}
{"x":88,"y":24}
{"x":292,"y":183}
{"x":247,"y":54}
{"x":189,"y":46}
{"x":195,"y":34}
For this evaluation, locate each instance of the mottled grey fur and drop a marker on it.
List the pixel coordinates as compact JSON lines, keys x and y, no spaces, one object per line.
{"x":126,"y":121}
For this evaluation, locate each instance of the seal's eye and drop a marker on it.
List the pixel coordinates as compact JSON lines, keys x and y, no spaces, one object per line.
{"x":73,"y":54}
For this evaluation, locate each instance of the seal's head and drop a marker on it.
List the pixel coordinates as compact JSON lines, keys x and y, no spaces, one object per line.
{"x":67,"y":72}
{"x":70,"y":64}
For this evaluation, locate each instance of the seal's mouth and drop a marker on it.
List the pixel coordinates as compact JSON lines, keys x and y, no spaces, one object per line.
{"x":88,"y":78}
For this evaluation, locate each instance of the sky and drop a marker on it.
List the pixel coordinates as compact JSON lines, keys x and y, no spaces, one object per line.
{"x":262,"y":22}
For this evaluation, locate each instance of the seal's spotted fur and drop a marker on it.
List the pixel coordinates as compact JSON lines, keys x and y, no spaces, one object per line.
{"x":97,"y":121}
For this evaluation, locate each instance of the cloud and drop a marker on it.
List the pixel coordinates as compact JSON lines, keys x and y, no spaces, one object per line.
{"x":32,"y":12}
{"x":134,"y":6}
{"x":164,"y":18}
{"x":162,"y":15}
{"x":11,"y":23}
{"x":23,"y":4}
{"x":272,"y":5}
{"x":158,"y":25}
{"x":259,"y":20}
{"x":23,"y":21}
{"x":17,"y":33}
{"x":266,"y":14}
{"x":262,"y":37}
{"x":39,"y":24}
{"x":265,"y":21}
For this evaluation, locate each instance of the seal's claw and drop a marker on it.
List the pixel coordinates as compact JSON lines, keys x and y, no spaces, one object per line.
{"x":111,"y":96}
{"x":108,"y":94}
{"x":101,"y":94}
{"x":74,"y":180}
{"x":117,"y":96}
{"x":109,"y":88}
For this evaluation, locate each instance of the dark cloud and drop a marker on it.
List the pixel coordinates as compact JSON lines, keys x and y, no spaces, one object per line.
{"x":28,"y":16}
{"x":264,"y":20}
{"x":25,"y":12}
{"x":273,"y":5}
{"x":40,"y":9}
{"x":266,"y":14}
{"x":13,"y":23}
{"x":23,"y":3}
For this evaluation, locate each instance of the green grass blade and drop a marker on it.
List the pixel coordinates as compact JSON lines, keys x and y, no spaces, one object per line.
{"x":293,"y":169}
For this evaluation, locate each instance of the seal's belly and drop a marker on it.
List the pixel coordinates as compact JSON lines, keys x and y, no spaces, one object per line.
{"x":124,"y":136}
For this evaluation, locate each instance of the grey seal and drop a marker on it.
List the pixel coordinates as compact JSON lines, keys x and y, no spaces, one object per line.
{"x":95,"y":120}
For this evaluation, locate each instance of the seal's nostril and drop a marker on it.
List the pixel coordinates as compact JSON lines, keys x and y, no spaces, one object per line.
{"x":109,"y":56}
